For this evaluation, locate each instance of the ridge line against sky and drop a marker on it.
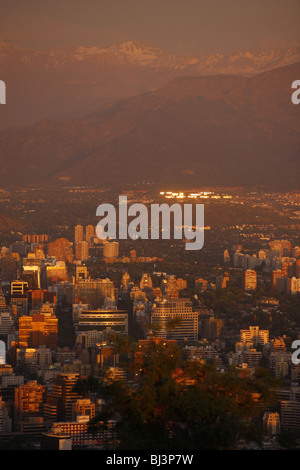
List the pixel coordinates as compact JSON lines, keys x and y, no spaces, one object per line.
{"x":181,"y":27}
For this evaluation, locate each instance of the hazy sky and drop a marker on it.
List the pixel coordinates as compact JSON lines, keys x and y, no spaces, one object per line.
{"x":180,"y":26}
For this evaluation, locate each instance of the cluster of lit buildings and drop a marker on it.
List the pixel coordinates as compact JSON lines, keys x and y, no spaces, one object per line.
{"x":39,"y":292}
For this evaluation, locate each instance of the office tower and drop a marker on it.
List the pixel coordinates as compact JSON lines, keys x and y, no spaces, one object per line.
{"x":79,"y":233}
{"x":32,"y":277}
{"x":60,"y":401}
{"x":38,"y":330}
{"x":37,"y":297}
{"x":6,"y":323}
{"x":82,"y":251}
{"x":290,"y":414}
{"x":175,"y":319}
{"x":250,"y":280}
{"x":61,"y":250}
{"x":89,"y":233}
{"x":255,"y":336}
{"x":115,"y":321}
{"x":146,"y":281}
{"x":110,"y":249}
{"x":94,"y":291}
{"x":29,"y":399}
{"x":5,"y":420}
{"x":211,"y":328}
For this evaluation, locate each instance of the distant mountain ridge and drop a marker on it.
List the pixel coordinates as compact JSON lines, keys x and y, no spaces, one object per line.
{"x":210,"y":130}
{"x":71,"y":81}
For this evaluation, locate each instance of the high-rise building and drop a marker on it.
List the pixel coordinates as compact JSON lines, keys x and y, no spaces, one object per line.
{"x":255,"y":336}
{"x":81,"y":273}
{"x":62,"y":397}
{"x":89,"y":233}
{"x":56,"y":272}
{"x":104,"y":320}
{"x":38,"y":330}
{"x":110,"y":249}
{"x":5,"y":420}
{"x":6,"y":323}
{"x":94,"y":291}
{"x":295,"y":285}
{"x":29,"y":399}
{"x":290,"y":414}
{"x":250,"y":280}
{"x":211,"y":328}
{"x":79,"y":237}
{"x":82,"y":251}
{"x":31,"y":275}
{"x":61,"y":250}
{"x":9,"y":266}
{"x":175,"y":319}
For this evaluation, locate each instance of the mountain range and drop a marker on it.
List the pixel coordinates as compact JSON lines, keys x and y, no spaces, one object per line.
{"x":219,"y":129}
{"x":69,"y":82}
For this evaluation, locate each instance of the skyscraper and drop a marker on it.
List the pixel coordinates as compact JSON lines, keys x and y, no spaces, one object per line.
{"x":89,"y":233}
{"x":175,"y":319}
{"x":82,"y":251}
{"x":60,"y":401}
{"x":79,"y":233}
